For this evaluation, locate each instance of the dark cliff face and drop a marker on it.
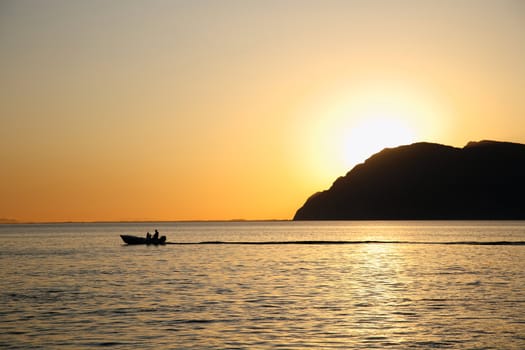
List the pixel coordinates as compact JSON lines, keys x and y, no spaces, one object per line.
{"x":425,"y":181}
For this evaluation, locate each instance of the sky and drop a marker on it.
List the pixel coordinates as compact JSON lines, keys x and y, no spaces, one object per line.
{"x":225,"y":110}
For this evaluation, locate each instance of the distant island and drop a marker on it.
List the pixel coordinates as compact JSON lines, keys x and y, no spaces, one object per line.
{"x":426,"y":181}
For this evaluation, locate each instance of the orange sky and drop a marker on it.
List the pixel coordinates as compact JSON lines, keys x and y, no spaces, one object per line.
{"x":211,"y":110}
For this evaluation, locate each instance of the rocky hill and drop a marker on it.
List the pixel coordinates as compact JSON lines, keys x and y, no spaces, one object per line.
{"x":426,"y":181}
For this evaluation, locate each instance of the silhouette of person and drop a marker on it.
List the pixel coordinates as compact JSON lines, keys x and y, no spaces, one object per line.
{"x":148,"y":237}
{"x":156,"y":235}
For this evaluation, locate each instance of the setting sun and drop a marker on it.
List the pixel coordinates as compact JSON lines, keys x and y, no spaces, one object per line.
{"x":372,"y":134}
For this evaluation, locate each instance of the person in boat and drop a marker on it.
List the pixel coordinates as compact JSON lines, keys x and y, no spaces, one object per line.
{"x":148,"y":237}
{"x":156,"y":236}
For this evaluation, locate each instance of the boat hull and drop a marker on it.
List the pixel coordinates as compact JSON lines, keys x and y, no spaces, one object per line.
{"x":134,"y":240}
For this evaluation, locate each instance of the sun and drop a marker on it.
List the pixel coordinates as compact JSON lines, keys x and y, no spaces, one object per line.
{"x":372,"y":134}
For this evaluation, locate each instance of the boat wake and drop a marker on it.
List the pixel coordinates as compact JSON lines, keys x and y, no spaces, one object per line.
{"x":353,"y":242}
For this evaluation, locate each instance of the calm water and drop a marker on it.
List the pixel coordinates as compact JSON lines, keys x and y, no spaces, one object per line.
{"x":78,"y":286}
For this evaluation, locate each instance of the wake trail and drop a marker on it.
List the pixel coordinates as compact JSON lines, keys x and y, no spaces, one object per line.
{"x":322,"y":242}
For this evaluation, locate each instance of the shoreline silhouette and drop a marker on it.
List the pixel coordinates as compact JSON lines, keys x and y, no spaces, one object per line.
{"x":427,"y":181}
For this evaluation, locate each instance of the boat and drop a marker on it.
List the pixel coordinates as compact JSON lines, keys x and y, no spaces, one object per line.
{"x":142,"y":240}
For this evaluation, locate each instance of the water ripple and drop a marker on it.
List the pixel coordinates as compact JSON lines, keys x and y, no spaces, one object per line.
{"x":336,"y":289}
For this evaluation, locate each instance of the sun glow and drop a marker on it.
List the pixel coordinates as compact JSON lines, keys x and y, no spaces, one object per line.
{"x":348,"y":127}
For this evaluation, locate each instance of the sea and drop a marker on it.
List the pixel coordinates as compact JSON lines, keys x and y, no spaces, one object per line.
{"x":264,"y":285}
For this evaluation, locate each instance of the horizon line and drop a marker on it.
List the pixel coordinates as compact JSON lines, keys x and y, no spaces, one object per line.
{"x":16,"y":222}
{"x":20,"y":222}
